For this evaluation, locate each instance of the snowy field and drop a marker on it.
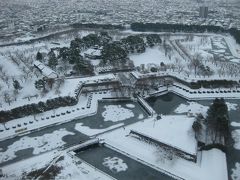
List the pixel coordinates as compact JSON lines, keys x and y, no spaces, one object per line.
{"x":235,"y":124}
{"x":151,"y":56}
{"x":90,"y":132}
{"x":198,"y":44}
{"x":175,"y":131}
{"x":217,"y":55}
{"x":16,"y":64}
{"x":69,"y":168}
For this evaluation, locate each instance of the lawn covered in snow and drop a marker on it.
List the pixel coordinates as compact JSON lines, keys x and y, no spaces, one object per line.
{"x":175,"y":131}
{"x":69,"y":168}
{"x":152,"y":55}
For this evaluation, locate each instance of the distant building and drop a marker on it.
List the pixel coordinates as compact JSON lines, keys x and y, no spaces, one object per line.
{"x":203,"y":11}
{"x":45,"y":71}
{"x":94,"y":53}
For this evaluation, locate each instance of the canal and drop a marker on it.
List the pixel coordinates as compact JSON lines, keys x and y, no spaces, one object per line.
{"x":19,"y":148}
{"x":118,"y":165}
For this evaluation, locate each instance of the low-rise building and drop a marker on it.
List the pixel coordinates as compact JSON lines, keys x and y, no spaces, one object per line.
{"x":45,"y":70}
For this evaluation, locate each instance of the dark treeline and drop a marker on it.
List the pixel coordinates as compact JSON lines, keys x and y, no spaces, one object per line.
{"x":164,"y":27}
{"x":31,"y":109}
{"x":235,"y":33}
{"x":92,"y":25}
{"x":213,"y":84}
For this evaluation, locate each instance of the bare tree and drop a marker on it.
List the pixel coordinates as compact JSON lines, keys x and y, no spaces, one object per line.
{"x":7,"y":98}
{"x":196,"y":62}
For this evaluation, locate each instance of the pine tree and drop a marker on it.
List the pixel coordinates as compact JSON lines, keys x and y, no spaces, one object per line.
{"x":217,"y":119}
{"x":40,"y":84}
{"x":52,"y":60}
{"x":74,"y":56}
{"x":84,"y":67}
{"x":39,"y":56}
{"x":16,"y":85}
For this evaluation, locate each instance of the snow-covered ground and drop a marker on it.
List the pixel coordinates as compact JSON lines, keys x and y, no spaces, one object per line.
{"x":115,"y":164}
{"x":236,"y":137}
{"x":235,"y":124}
{"x":70,"y":167}
{"x":15,"y":171}
{"x":66,"y":89}
{"x":175,"y":131}
{"x":16,"y":63}
{"x":211,"y":165}
{"x":172,"y":130}
{"x":151,"y":56}
{"x":179,"y":64}
{"x":197,"y":44}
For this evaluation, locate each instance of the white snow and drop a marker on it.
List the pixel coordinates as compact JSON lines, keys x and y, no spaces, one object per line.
{"x":193,"y":107}
{"x":151,"y":55}
{"x":39,"y":144}
{"x":175,"y":131}
{"x":71,"y":167}
{"x":15,"y":171}
{"x":130,"y":105}
{"x":233,"y":46}
{"x":236,"y":137}
{"x":236,"y":172}
{"x":140,"y":116}
{"x":235,"y":124}
{"x":212,"y":165}
{"x":115,"y":164}
{"x":116,"y":113}
{"x":90,"y":132}
{"x":73,"y":170}
{"x":199,"y":44}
